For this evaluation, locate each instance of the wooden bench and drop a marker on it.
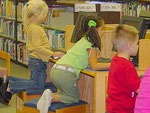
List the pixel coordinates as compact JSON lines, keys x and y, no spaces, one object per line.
{"x":80,"y":107}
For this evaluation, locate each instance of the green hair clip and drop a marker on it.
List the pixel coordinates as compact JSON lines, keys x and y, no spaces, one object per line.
{"x":92,"y":23}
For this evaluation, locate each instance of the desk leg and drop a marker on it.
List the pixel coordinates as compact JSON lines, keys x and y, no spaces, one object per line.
{"x":86,"y":88}
{"x":100,"y":87}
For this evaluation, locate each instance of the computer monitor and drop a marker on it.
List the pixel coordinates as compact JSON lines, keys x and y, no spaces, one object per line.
{"x":75,"y":35}
{"x":146,"y":15}
{"x":140,"y":24}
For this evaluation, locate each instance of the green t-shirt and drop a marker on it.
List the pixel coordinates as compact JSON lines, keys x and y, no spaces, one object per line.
{"x":77,"y":56}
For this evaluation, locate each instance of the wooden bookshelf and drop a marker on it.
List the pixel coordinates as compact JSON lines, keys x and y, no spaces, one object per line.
{"x":109,"y":17}
{"x":21,"y":41}
{"x":114,"y":17}
{"x":7,"y":18}
{"x":67,"y":3}
{"x":148,"y":1}
{"x":49,"y":27}
{"x":7,"y":37}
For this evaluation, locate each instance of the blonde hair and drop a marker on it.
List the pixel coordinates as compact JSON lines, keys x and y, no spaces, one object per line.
{"x":124,"y":34}
{"x":38,"y":7}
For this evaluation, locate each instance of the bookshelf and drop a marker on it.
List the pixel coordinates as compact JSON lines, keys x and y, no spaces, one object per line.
{"x":114,"y":16}
{"x":7,"y":28}
{"x":147,"y":1}
{"x":12,"y":14}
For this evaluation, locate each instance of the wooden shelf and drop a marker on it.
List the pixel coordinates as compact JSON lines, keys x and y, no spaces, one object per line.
{"x":49,"y":27}
{"x":19,"y":20}
{"x":18,"y":62}
{"x":61,"y":50}
{"x":64,"y":3}
{"x":25,"y":64}
{"x":14,"y":60}
{"x":147,"y":1}
{"x":68,"y":4}
{"x":22,"y":41}
{"x":2,"y":17}
{"x":7,"y":37}
{"x":22,"y":0}
{"x":7,"y":18}
{"x":71,"y":3}
{"x":134,"y":0}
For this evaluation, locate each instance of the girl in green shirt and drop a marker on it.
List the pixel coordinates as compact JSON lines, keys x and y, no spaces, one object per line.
{"x":65,"y":73}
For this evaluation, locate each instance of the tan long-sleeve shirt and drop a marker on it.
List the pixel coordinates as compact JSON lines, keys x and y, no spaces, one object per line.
{"x":37,"y":42}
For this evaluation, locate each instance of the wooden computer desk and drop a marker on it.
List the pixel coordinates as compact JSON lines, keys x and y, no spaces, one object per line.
{"x":93,"y":84}
{"x":92,"y":87}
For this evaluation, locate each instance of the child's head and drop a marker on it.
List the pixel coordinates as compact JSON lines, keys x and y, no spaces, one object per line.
{"x":92,"y":27}
{"x":125,"y":38}
{"x":34,"y":10}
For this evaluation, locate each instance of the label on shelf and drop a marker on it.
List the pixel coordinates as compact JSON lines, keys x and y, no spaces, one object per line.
{"x":113,"y":7}
{"x":85,"y":7}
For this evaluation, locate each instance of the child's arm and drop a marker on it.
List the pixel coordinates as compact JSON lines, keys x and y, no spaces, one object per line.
{"x":43,"y":52}
{"x":94,"y":65}
{"x":133,"y":79}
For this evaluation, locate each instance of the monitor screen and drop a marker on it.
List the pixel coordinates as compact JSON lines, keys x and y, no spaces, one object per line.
{"x":146,"y":15}
{"x":140,"y":24}
{"x":131,"y":23}
{"x":76,"y":31}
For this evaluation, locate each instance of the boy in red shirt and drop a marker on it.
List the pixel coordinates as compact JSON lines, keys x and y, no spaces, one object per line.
{"x":123,"y":81}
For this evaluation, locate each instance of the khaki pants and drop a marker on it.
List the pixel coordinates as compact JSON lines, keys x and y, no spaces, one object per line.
{"x":67,"y":83}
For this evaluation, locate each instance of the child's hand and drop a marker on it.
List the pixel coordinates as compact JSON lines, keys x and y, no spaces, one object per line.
{"x":57,"y":55}
{"x":137,"y":91}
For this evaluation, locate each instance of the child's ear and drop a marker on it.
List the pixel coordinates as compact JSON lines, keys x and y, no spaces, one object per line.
{"x":129,"y":45}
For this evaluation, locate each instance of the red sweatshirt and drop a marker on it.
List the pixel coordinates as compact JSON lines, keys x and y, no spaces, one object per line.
{"x":123,"y":83}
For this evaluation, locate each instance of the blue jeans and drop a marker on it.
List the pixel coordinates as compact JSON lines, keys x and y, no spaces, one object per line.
{"x":37,"y":77}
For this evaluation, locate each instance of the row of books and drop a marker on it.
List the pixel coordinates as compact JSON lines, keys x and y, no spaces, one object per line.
{"x":58,"y":16}
{"x":20,"y":9}
{"x":8,"y":46}
{"x":22,"y":54}
{"x":20,"y":34}
{"x":7,"y":27}
{"x":56,"y":38}
{"x":128,"y":9}
{"x":7,"y":9}
{"x":3,"y":8}
{"x":133,"y":8}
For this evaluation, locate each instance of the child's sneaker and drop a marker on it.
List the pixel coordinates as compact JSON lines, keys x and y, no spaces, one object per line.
{"x":6,"y":96}
{"x":45,"y":101}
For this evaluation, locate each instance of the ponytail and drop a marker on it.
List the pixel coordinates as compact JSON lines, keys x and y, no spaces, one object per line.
{"x":89,"y":27}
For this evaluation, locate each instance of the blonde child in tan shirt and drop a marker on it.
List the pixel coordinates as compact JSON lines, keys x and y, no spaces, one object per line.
{"x":35,"y":12}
